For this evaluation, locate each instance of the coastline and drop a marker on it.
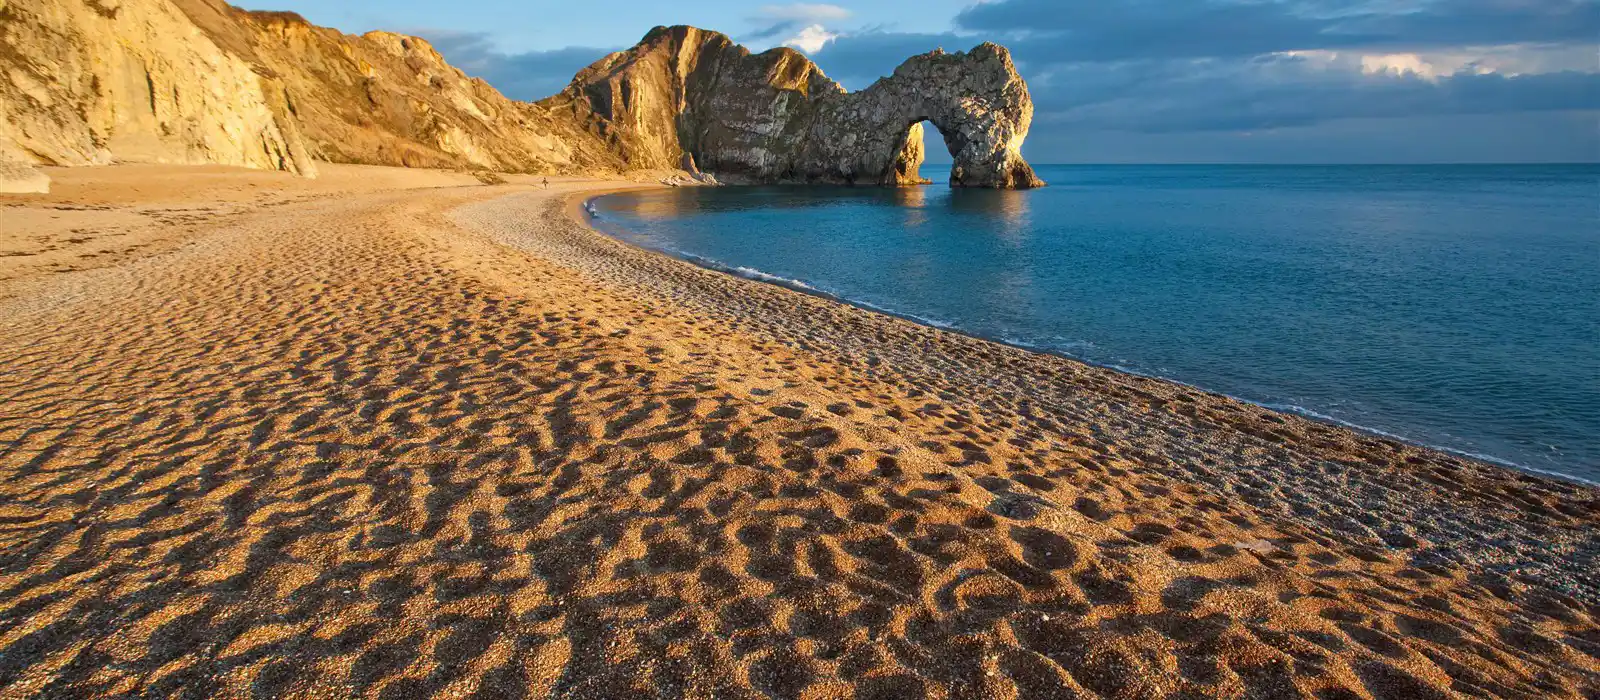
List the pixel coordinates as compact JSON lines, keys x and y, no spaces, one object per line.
{"x":450,"y":440}
{"x":802,"y":287}
{"x":1379,"y":466}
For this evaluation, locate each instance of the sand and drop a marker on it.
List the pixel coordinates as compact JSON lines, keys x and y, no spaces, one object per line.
{"x":399,"y":434}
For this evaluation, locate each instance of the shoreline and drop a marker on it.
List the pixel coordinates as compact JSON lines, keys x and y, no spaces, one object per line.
{"x":1369,"y":459}
{"x":581,"y":216}
{"x":416,"y":442}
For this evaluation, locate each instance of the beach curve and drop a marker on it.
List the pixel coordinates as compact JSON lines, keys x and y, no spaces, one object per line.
{"x":452,"y":441}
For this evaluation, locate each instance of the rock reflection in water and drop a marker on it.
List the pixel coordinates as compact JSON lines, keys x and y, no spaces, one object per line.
{"x":914,"y":200}
{"x":1010,"y":206}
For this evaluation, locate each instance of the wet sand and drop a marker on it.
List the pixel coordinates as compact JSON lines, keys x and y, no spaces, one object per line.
{"x":404,"y":435}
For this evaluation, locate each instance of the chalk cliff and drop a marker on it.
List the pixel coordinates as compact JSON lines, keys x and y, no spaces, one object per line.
{"x":198,"y":81}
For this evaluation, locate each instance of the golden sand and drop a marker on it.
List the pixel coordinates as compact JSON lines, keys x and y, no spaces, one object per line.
{"x":398,"y":434}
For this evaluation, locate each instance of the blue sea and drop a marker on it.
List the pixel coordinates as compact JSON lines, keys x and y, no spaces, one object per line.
{"x":1452,"y":306}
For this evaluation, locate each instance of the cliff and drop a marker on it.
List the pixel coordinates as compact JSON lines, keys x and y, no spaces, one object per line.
{"x":198,"y":81}
{"x":775,"y":117}
{"x":91,"y":81}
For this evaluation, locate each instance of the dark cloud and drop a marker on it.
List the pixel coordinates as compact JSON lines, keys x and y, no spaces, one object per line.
{"x":520,"y":76}
{"x":778,"y":30}
{"x":1165,"y":97}
{"x":1195,"y":74}
{"x":1196,"y":78}
{"x":1055,"y":31}
{"x":1045,"y":33}
{"x":783,"y":23}
{"x":1554,"y":137}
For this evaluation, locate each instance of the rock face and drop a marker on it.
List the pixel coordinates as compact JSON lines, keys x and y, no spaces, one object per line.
{"x":87,"y":82}
{"x":21,"y":178}
{"x":976,"y":99}
{"x":198,"y":81}
{"x":388,"y":99}
{"x":775,"y":117}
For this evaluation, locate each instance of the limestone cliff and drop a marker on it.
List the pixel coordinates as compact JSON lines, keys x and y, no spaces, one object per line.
{"x":199,"y":81}
{"x":976,"y":99}
{"x":388,"y":99}
{"x":91,"y":81}
{"x":775,"y":117}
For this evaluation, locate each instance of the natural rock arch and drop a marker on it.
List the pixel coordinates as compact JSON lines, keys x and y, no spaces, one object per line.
{"x":976,"y":100}
{"x":775,"y":117}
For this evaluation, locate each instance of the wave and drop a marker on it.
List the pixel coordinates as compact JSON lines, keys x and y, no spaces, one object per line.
{"x":924,"y":320}
{"x":758,"y":275}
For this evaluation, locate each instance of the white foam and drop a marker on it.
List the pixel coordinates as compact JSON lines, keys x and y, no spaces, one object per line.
{"x":754,"y":274}
{"x":924,"y":320}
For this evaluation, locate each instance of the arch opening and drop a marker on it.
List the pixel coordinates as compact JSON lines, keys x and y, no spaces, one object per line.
{"x":921,"y":140}
{"x":970,"y":164}
{"x":936,"y":149}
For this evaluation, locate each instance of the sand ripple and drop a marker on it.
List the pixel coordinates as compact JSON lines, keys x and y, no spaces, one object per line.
{"x":362,"y":448}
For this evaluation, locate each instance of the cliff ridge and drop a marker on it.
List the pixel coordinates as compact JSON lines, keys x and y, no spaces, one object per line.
{"x":86,"y":82}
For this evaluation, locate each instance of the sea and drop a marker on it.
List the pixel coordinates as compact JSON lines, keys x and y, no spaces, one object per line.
{"x":1454,"y":306}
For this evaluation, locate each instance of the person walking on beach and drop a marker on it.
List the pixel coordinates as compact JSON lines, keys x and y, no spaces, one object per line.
{"x":546,"y":183}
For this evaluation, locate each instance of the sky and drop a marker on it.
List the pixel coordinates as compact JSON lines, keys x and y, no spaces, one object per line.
{"x":1124,"y":81}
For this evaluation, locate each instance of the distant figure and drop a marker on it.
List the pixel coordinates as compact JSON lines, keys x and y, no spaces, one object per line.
{"x":546,"y":183}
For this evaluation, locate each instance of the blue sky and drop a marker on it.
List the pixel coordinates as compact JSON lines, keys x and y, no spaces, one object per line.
{"x":1126,"y":80}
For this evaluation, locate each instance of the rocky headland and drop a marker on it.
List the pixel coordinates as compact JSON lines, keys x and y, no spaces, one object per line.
{"x":91,"y":82}
{"x":776,"y":117}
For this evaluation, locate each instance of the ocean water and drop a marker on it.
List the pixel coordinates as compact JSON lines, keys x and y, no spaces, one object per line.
{"x":1453,"y":306}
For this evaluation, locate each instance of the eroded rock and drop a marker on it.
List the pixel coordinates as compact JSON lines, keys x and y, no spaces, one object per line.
{"x":976,"y":99}
{"x":88,"y":82}
{"x":21,"y":178}
{"x":776,"y":117}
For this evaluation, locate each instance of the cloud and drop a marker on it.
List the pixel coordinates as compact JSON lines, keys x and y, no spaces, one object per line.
{"x":1481,"y":138}
{"x":1287,"y":91}
{"x":1156,"y":69}
{"x":811,"y":39}
{"x":804,"y":12}
{"x":1143,"y":29}
{"x":521,"y":76}
{"x":856,"y":59}
{"x":1201,"y":77}
{"x":798,"y":25}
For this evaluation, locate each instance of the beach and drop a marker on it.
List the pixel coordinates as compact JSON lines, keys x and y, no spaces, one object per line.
{"x":399,"y":433}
